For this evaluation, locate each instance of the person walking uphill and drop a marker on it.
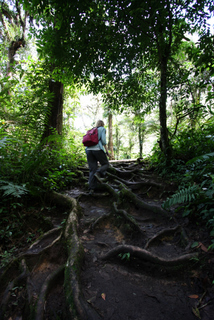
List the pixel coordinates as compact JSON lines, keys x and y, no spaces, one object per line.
{"x":97,"y":154}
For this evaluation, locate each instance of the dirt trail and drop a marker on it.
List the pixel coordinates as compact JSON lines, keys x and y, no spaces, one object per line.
{"x":137,"y":261}
{"x":125,"y":286}
{"x":133,"y":289}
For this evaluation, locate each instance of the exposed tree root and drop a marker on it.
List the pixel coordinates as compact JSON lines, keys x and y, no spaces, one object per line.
{"x":136,"y":185}
{"x":165,"y":232}
{"x":145,"y":255}
{"x":45,"y":242}
{"x":108,"y":188}
{"x":126,"y":218}
{"x":36,"y":251}
{"x":124,"y":173}
{"x":78,"y":308}
{"x":128,"y":163}
{"x":134,"y":225}
{"x":81,"y":173}
{"x":50,"y":280}
{"x":99,"y":221}
{"x":140,"y":203}
{"x":61,"y":200}
{"x":76,"y":304}
{"x":126,"y":193}
{"x":10,"y":286}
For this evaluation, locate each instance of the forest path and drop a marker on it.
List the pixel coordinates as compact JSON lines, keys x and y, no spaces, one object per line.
{"x":125,"y":286}
{"x":128,"y":288}
{"x":120,"y":256}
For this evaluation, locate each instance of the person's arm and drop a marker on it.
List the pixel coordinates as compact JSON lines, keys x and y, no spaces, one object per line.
{"x":103,"y":140}
{"x":106,"y":148}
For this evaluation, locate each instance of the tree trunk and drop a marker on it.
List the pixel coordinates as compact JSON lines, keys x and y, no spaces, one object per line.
{"x":53,"y":121}
{"x":13,"y":48}
{"x":117,"y":141}
{"x":164,"y":140}
{"x":110,"y":141}
{"x":140,"y":138}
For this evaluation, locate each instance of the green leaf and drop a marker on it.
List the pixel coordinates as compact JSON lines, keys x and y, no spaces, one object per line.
{"x":195,"y":244}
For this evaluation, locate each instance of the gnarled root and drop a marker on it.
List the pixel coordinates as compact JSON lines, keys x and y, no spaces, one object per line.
{"x":10,"y":286}
{"x":163,"y":233}
{"x":166,"y":232}
{"x":45,"y":242}
{"x":134,"y":225}
{"x":60,"y":199}
{"x":44,"y":291}
{"x":75,"y":302}
{"x":130,"y":195}
{"x":126,"y":217}
{"x":124,"y":173}
{"x":136,"y":185}
{"x":108,"y":188}
{"x":140,"y":203}
{"x":99,"y":220}
{"x":148,"y":256}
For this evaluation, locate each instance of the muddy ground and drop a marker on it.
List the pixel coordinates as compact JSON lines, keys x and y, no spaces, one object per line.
{"x":137,"y":262}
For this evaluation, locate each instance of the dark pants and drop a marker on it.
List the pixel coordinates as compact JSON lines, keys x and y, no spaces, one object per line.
{"x":93,"y":157}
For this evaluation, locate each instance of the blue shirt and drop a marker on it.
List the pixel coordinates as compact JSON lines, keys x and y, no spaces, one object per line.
{"x":102,"y":140}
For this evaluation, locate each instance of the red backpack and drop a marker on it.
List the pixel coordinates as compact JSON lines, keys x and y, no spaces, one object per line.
{"x":90,"y":138}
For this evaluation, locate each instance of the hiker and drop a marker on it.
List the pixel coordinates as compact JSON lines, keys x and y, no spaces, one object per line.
{"x":95,"y":154}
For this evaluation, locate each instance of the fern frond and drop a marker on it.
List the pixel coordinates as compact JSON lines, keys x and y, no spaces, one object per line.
{"x":11,"y":189}
{"x":203,"y":157}
{"x":3,"y":142}
{"x":182,"y":196}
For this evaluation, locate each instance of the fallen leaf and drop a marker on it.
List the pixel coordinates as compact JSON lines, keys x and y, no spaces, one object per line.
{"x":202,"y":247}
{"x":103,"y":295}
{"x":193,"y":296}
{"x":86,"y":231}
{"x":91,"y":300}
{"x":196,"y":312}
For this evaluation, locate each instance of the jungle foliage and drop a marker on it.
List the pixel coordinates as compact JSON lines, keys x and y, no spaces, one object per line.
{"x":192,"y":170}
{"x":139,"y":56}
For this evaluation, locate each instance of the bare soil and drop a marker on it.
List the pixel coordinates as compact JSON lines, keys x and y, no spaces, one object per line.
{"x":137,"y":263}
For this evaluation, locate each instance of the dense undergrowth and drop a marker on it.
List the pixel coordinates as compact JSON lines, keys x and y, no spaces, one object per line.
{"x":27,"y":172}
{"x":192,"y":169}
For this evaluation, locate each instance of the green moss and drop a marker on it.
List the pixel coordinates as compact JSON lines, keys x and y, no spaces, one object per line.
{"x":72,"y":272}
{"x":69,"y":295}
